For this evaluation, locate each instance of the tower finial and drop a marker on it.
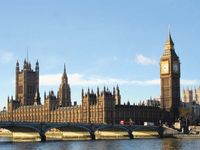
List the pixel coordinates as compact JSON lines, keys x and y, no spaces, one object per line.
{"x":64,"y":68}
{"x":169,"y":38}
{"x":27,"y":54}
{"x":169,"y":44}
{"x":169,"y":29}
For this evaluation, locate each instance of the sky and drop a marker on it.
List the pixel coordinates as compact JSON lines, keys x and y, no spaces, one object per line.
{"x":102,"y":42}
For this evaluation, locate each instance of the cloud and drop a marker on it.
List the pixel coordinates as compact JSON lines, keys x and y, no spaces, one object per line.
{"x":143,"y":60}
{"x":190,"y":82}
{"x":77,"y":79}
{"x":6,"y":57}
{"x":50,"y":79}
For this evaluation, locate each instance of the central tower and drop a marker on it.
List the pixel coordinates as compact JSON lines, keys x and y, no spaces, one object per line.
{"x":64,"y":93}
{"x":170,"y":81}
{"x":27,"y":83}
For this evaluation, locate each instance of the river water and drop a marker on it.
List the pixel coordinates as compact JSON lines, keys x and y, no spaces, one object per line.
{"x":135,"y":144}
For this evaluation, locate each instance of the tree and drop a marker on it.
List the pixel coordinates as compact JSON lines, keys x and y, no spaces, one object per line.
{"x":185,"y":114}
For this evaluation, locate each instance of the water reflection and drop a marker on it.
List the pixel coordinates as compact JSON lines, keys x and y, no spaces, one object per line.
{"x":169,"y":144}
{"x":136,"y":144}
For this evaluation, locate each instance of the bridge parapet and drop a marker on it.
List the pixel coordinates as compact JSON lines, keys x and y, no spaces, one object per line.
{"x":42,"y":128}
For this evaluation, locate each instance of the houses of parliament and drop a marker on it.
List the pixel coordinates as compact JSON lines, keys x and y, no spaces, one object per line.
{"x":100,"y":107}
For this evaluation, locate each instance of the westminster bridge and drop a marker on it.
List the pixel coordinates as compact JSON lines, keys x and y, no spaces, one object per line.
{"x":43,"y":127}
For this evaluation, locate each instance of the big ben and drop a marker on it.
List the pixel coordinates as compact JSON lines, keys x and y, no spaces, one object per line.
{"x":170,"y":81}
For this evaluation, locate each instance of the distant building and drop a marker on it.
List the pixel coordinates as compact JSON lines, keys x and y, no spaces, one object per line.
{"x":194,"y":117}
{"x":191,"y":95}
{"x":191,"y":99}
{"x":153,"y":102}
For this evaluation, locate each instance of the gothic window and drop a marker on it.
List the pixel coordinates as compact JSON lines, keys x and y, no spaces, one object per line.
{"x":20,"y":89}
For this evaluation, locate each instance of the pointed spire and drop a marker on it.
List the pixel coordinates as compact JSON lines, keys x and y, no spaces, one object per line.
{"x":37,"y":66}
{"x":114,"y":91}
{"x":17,"y":63}
{"x":169,"y":39}
{"x":25,"y":61}
{"x":104,"y":88}
{"x":169,"y":44}
{"x":117,"y":87}
{"x":97,"y":91}
{"x":82,"y":93}
{"x":64,"y":69}
{"x":45,"y":95}
{"x":88,"y":90}
{"x":37,"y":63}
{"x":64,"y":76}
{"x":17,"y":66}
{"x":27,"y":54}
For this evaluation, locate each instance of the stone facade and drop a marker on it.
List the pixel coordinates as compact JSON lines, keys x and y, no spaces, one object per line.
{"x":191,"y":95}
{"x":100,"y":107}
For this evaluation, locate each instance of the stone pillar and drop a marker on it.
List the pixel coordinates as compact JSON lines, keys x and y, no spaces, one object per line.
{"x":130,"y":134}
{"x":160,"y":131}
{"x":42,"y":136}
{"x":92,"y":135}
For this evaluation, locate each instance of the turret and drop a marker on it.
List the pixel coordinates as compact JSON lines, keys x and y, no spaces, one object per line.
{"x":37,"y":97}
{"x":37,"y":67}
{"x":114,"y":91}
{"x":17,"y":66}
{"x":104,"y":89}
{"x":8,"y":99}
{"x":45,"y":95}
{"x":98,"y":91}
{"x":117,"y":96}
{"x":16,"y":79}
{"x":82,"y":93}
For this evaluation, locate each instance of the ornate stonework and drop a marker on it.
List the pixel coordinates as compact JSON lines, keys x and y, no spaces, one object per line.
{"x":100,"y":107}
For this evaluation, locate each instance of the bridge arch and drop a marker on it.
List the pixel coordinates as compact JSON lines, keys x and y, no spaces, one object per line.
{"x":148,"y":129}
{"x":18,"y":128}
{"x":80,"y":130}
{"x":60,"y":127}
{"x":112,"y":127}
{"x":116,"y":127}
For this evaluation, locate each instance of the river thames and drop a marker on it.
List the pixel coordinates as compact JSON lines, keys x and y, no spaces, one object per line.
{"x":136,"y":144}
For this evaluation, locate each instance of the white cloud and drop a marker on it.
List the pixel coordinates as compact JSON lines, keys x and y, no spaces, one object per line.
{"x":50,"y":79}
{"x":141,"y":59}
{"x":82,"y":80}
{"x":77,"y":79}
{"x":6,"y":57}
{"x":190,"y":82}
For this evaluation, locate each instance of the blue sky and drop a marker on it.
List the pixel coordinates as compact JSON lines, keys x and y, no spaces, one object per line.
{"x":102,"y":43}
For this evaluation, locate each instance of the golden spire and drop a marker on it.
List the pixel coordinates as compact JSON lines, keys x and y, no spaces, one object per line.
{"x":169,"y":44}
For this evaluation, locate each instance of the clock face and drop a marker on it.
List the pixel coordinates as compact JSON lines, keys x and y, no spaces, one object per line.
{"x":164,"y":67}
{"x":175,"y":68}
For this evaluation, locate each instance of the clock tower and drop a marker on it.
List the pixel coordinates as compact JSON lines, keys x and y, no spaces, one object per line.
{"x":170,"y":81}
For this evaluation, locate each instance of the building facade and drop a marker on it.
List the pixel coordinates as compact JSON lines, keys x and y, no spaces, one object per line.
{"x":191,"y":95}
{"x":98,"y":107}
{"x":170,"y":81}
